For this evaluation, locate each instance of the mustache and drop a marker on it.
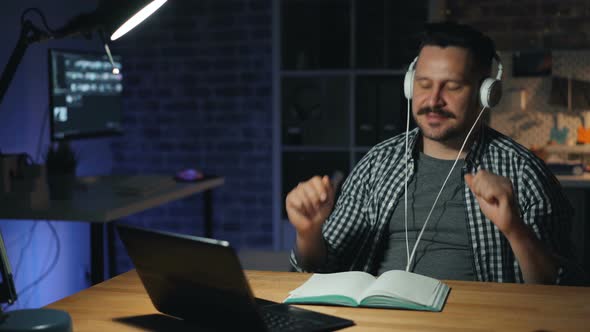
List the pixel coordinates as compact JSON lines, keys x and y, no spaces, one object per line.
{"x":438,"y":111}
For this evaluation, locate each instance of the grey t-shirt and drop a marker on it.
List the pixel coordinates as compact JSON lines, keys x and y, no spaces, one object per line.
{"x":444,"y":252}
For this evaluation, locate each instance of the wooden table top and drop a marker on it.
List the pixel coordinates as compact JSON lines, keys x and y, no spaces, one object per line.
{"x":471,"y":306}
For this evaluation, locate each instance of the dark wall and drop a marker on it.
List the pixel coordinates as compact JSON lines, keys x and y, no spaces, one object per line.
{"x":198,"y":94}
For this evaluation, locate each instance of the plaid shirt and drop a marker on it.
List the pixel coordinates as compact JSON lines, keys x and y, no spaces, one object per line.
{"x":357,"y":230}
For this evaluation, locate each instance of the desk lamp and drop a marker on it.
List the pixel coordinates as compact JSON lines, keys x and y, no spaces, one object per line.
{"x":106,"y":18}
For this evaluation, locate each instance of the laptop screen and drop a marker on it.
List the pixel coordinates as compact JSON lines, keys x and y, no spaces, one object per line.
{"x":192,"y":278}
{"x":202,"y":281}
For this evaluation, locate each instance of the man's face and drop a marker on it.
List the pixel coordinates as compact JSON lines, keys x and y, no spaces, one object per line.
{"x":445,"y":93}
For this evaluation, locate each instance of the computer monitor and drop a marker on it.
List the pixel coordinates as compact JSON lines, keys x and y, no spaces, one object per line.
{"x":85,"y":95}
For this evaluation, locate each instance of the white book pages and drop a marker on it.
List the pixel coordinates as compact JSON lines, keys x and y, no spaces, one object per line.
{"x":350,"y":284}
{"x":405,"y":285}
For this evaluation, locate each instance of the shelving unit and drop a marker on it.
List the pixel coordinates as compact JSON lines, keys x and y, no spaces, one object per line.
{"x":338,"y":68}
{"x":575,"y":153}
{"x":566,"y":149}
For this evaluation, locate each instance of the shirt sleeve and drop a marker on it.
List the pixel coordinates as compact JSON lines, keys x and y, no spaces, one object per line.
{"x":346,"y":226}
{"x":548,"y":212}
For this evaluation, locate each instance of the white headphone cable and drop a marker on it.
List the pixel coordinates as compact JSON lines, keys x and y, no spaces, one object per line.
{"x":406,"y":185}
{"x":437,"y":196}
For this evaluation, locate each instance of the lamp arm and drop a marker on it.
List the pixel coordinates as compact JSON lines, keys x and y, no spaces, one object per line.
{"x":29,"y":34}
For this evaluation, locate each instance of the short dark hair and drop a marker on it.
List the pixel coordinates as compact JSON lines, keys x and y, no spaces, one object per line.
{"x":481,"y":47}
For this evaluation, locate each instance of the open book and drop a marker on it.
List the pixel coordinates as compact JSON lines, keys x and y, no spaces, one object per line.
{"x":393,"y":289}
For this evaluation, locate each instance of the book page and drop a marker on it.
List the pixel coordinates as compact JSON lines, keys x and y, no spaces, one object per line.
{"x":350,"y":284}
{"x":405,"y":285}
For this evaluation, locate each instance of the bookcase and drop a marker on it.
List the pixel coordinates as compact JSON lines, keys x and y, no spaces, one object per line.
{"x":338,"y":72}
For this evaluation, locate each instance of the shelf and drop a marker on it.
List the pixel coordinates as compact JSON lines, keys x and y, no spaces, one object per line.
{"x":314,"y":148}
{"x":581,"y":149}
{"x":343,"y":72}
{"x":340,"y":85}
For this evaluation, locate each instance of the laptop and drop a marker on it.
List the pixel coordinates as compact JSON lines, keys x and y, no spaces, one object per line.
{"x":201,"y":281}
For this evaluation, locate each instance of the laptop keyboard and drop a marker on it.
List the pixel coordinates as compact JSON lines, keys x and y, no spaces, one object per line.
{"x":280,"y":322}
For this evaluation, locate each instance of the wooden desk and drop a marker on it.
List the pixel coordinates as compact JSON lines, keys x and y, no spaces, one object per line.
{"x":471,"y":306}
{"x":94,"y":200}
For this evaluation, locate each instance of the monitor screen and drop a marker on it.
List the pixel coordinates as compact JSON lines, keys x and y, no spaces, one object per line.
{"x":85,"y":95}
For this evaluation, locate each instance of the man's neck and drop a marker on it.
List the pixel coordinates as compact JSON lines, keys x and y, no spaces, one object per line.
{"x":446,"y":150}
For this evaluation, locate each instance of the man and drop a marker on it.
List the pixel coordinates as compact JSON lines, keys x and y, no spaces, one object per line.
{"x":501,"y":217}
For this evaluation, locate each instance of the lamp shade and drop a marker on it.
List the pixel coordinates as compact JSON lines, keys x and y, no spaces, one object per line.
{"x":114,"y":17}
{"x":126,"y":15}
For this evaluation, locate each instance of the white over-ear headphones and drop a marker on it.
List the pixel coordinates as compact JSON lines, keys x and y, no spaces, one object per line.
{"x":490,"y":90}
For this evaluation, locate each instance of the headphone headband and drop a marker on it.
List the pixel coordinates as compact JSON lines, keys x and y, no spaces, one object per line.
{"x":495,"y":57}
{"x":490,"y":90}
{"x":500,"y":67}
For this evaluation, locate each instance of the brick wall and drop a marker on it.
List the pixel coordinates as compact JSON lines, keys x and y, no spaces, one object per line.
{"x":198,"y":94}
{"x":527,"y":24}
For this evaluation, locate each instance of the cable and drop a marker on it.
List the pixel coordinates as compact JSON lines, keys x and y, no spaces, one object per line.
{"x":406,"y":184}
{"x":20,"y":257}
{"x":53,"y":263}
{"x":51,"y":267}
{"x":441,"y":189}
{"x":46,"y":260}
{"x":107,"y":49}
{"x":41,"y":15}
{"x":16,"y":240}
{"x":23,"y":248}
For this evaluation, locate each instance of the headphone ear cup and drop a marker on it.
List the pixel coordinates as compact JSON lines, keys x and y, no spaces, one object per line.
{"x":409,"y":84}
{"x":490,"y":92}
